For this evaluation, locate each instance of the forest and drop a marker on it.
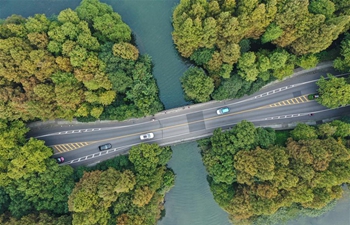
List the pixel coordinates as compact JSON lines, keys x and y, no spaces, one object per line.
{"x":239,"y":46}
{"x":263,"y":176}
{"x":79,"y":64}
{"x":84,"y":64}
{"x":34,"y":189}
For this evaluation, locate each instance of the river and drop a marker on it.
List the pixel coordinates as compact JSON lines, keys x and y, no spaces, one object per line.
{"x":190,"y":202}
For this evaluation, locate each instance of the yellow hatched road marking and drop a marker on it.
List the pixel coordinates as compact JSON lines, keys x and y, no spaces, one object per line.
{"x":70,"y":146}
{"x":60,"y":147}
{"x":306,"y":99}
{"x":64,"y":147}
{"x":297,"y":100}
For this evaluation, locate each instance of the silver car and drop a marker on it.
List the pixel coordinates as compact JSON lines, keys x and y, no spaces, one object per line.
{"x":146,"y":136}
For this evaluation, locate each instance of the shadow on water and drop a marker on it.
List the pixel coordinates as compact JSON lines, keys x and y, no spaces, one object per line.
{"x":190,"y":202}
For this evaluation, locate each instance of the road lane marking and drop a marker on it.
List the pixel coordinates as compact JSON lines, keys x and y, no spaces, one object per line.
{"x":292,"y":101}
{"x":277,"y":104}
{"x":67,"y":147}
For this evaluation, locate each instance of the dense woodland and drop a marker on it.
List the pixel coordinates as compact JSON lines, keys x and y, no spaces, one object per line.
{"x":258,"y":175}
{"x":80,"y":63}
{"x":34,"y":189}
{"x":242,"y":45}
{"x":335,"y":92}
{"x":83,"y":63}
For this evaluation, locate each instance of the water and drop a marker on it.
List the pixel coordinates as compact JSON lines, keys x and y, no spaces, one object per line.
{"x":339,"y":215}
{"x":150,"y":21}
{"x":190,"y":202}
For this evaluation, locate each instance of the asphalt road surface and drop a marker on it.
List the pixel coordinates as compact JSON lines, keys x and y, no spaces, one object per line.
{"x":277,"y":105}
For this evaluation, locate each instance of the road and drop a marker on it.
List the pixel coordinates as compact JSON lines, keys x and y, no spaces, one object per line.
{"x":280,"y":104}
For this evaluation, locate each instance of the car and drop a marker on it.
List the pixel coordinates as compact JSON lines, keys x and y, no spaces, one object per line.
{"x":223,"y":110}
{"x":105,"y":147}
{"x":146,"y":136}
{"x":60,"y":159}
{"x":313,"y":96}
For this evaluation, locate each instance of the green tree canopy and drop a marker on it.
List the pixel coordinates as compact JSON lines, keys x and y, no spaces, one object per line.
{"x":197,"y":85}
{"x":334,"y":91}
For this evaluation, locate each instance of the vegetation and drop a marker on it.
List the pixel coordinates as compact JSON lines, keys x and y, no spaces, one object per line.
{"x":34,"y":189}
{"x":130,"y":195}
{"x":30,"y":180}
{"x":197,"y":85}
{"x":257,"y":181}
{"x":334,"y":92}
{"x":78,"y":64}
{"x":257,"y":41}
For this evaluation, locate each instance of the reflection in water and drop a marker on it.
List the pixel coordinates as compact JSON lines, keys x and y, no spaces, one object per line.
{"x":340,"y":215}
{"x":190,"y":202}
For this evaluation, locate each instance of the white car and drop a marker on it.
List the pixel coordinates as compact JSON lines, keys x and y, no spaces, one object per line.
{"x":147,"y":136}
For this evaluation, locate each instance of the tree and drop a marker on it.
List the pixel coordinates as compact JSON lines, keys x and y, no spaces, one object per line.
{"x":342,"y":128}
{"x":246,"y":135}
{"x":303,"y":132}
{"x":326,"y":130}
{"x":308,"y":61}
{"x":89,"y":9}
{"x":83,"y":201}
{"x":272,"y":32}
{"x":325,"y":7}
{"x":125,"y":51}
{"x":294,"y":19}
{"x":146,"y":158}
{"x":342,"y":62}
{"x":333,"y":91}
{"x":48,"y":190}
{"x":202,"y":56}
{"x":247,"y":66}
{"x":94,"y":193}
{"x":110,"y":27}
{"x":68,"y":15}
{"x":265,"y":137}
{"x":197,"y":85}
{"x":37,"y":24}
{"x":321,"y":36}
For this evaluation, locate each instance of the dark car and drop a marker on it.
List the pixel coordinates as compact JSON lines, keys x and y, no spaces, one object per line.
{"x":60,"y":159}
{"x":105,"y":147}
{"x":313,"y":96}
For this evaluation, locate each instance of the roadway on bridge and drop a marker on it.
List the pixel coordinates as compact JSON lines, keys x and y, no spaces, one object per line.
{"x":281,"y":103}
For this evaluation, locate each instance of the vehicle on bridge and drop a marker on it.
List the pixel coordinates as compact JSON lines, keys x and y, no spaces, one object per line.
{"x":223,"y":110}
{"x":105,"y":147}
{"x":59,"y":159}
{"x":313,"y":96}
{"x":147,"y":136}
